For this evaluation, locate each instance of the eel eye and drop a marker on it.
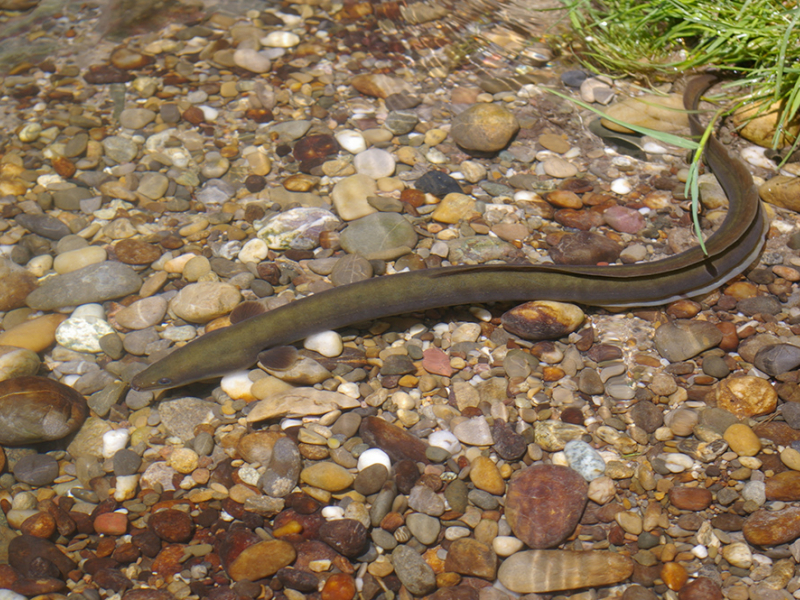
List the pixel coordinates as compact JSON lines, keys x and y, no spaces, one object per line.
{"x":164,"y":381}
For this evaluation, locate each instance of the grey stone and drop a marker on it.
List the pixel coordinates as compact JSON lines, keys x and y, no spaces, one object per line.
{"x":95,"y":283}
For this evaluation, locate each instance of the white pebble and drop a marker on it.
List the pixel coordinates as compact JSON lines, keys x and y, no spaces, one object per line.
{"x":445,"y":440}
{"x":621,"y":186}
{"x":89,"y":310}
{"x":30,"y":132}
{"x":237,"y":385}
{"x":39,"y":265}
{"x":506,"y":545}
{"x":210,"y":114}
{"x":755,"y":156}
{"x":352,"y":141}
{"x":374,"y":163}
{"x":700,"y":551}
{"x":678,"y":463}
{"x":126,"y":487}
{"x":480,"y":313}
{"x":349,"y":388}
{"x":252,"y":60}
{"x":332,"y":513}
{"x":114,"y":440}
{"x":327,"y":343}
{"x":456,"y":533}
{"x":254,"y":251}
{"x":82,"y":334}
{"x":654,"y":148}
{"x":403,"y":401}
{"x":374,"y":456}
{"x":281,"y":39}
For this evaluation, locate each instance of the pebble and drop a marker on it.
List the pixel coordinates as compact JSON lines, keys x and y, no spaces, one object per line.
{"x":381,"y":236}
{"x":252,"y":60}
{"x":374,"y":163}
{"x":94,"y":283}
{"x":37,"y":409}
{"x":296,"y":229}
{"x":742,"y":440}
{"x":414,"y":573}
{"x":327,"y":343}
{"x":350,"y":196}
{"x":584,"y":459}
{"x":424,"y":528}
{"x":544,"y":504}
{"x":543,"y":320}
{"x":17,"y":362}
{"x":327,"y":476}
{"x":542,"y":571}
{"x":202,"y":302}
{"x":746,"y":396}
{"x":484,"y":128}
{"x":72,"y":260}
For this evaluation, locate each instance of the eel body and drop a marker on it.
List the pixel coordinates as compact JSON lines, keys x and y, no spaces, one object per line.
{"x":732,"y":248}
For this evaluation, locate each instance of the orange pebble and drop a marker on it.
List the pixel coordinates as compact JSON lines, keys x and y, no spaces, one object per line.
{"x":674,"y":575}
{"x":339,"y":586}
{"x":289,"y":528}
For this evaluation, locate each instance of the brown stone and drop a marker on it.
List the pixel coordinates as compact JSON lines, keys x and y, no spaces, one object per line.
{"x":346,"y":536}
{"x":544,"y":504}
{"x":701,"y":588}
{"x":15,"y":285}
{"x":468,"y":556}
{"x":22,"y":551}
{"x":261,"y":560}
{"x":687,"y":498}
{"x":41,"y":525}
{"x":136,"y":252}
{"x":64,"y":167}
{"x":674,"y":575}
{"x":194,"y":115}
{"x":174,"y":526}
{"x":543,"y":320}
{"x":768,"y":528}
{"x":778,"y":432}
{"x":38,"y":409}
{"x":783,"y":486}
{"x":585,"y":248}
{"x":339,"y":586}
{"x":315,"y":147}
{"x":102,"y":74}
{"x":396,"y":442}
{"x":169,"y":560}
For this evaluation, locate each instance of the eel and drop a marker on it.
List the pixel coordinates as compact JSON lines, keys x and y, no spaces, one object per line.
{"x":730,"y":250}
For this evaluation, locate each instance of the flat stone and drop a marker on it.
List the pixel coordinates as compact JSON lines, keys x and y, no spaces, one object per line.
{"x":95,"y":283}
{"x":544,"y":571}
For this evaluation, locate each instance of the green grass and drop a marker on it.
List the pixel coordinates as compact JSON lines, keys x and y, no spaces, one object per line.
{"x":756,"y":42}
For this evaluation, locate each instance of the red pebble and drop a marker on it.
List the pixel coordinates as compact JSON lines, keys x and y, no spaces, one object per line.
{"x":112,"y":523}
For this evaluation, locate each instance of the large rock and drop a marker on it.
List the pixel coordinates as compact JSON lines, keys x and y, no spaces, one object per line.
{"x":95,"y":283}
{"x":544,"y":504}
